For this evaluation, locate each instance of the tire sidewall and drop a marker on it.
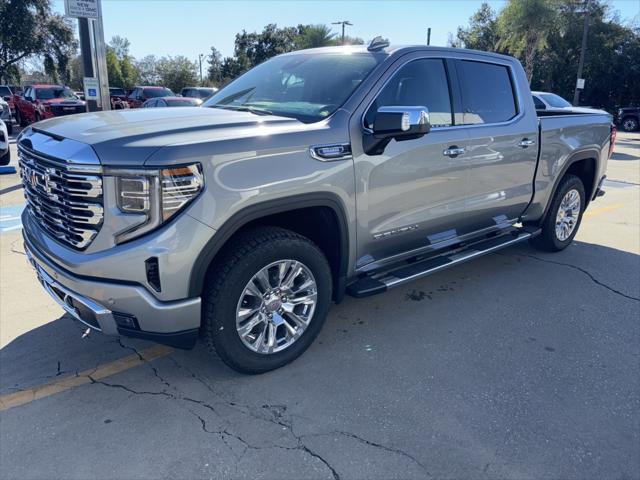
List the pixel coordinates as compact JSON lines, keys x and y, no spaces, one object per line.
{"x":224,"y":334}
{"x":572,"y":183}
{"x":634,"y":124}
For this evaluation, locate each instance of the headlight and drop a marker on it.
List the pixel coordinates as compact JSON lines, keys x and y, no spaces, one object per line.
{"x":155,"y":195}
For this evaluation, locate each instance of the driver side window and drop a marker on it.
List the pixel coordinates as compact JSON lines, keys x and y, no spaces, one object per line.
{"x":419,"y":83}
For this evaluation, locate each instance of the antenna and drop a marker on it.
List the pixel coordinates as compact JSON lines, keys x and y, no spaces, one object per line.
{"x":378,"y":43}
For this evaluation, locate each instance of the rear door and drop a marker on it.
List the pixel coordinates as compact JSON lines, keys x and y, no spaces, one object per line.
{"x":502,"y":129}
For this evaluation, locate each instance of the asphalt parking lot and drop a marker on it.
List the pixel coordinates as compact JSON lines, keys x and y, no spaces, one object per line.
{"x":517,"y":365}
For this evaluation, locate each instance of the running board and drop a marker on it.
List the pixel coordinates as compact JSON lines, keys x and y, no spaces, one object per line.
{"x":378,"y":283}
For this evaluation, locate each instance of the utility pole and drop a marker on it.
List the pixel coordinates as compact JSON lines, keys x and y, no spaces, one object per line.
{"x":343,"y":23}
{"x":200,"y":61}
{"x":583,"y":50}
{"x":429,"y":36}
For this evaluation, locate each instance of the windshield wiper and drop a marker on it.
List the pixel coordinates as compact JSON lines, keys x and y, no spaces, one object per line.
{"x":244,"y":108}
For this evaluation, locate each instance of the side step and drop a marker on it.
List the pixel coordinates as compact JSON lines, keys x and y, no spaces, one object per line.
{"x":378,"y":283}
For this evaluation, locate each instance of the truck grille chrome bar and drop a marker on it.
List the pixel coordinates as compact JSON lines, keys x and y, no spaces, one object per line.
{"x":65,"y":199}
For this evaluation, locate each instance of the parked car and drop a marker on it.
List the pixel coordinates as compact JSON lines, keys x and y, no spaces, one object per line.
{"x":139,"y":95}
{"x":6,"y":94}
{"x":46,"y":101}
{"x":118,"y":98}
{"x":172,"y":102}
{"x":629,"y":118}
{"x":316,"y":174}
{"x":198,"y":92}
{"x":5,"y":115}
{"x":549,"y":101}
{"x":5,"y":151}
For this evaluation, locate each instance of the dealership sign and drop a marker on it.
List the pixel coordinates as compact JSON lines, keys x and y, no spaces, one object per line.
{"x":82,"y":8}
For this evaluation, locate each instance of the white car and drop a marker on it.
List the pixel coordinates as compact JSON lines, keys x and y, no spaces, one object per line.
{"x":5,"y":152}
{"x":5,"y":115}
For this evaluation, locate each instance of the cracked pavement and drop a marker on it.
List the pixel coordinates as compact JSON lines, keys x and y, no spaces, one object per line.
{"x":520,"y":364}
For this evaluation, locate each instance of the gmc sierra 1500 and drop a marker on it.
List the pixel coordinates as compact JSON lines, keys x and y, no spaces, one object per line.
{"x":315,"y":174}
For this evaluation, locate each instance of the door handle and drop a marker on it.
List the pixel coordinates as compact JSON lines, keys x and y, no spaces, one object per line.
{"x":525,"y":142}
{"x":453,"y":151}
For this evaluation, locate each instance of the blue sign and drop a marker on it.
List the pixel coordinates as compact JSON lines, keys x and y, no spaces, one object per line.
{"x":93,"y":92}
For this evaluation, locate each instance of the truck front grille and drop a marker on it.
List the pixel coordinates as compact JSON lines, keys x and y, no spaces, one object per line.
{"x":65,"y":198}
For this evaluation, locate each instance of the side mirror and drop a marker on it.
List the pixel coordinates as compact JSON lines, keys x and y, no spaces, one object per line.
{"x":399,"y":123}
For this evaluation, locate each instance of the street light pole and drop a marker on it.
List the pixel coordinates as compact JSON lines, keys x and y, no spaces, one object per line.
{"x":583,"y":49}
{"x":343,"y":23}
{"x":200,"y":61}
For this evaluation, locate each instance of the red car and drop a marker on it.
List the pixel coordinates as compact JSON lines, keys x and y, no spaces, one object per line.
{"x":46,"y":101}
{"x":139,"y":95}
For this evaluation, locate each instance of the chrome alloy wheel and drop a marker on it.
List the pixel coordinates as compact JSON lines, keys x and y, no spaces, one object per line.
{"x":276,"y":306}
{"x":568,"y":214}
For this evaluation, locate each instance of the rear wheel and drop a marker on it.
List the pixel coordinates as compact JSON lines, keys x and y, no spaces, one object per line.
{"x":629,"y":124}
{"x":561,"y":224}
{"x":266,"y":299}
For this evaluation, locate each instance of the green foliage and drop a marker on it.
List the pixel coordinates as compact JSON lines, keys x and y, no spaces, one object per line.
{"x":546,"y":36}
{"x":121,"y":69}
{"x":177,"y":72}
{"x":254,"y":48}
{"x":482,"y":32}
{"x":523,"y":28}
{"x":314,"y":36}
{"x":29,"y":28}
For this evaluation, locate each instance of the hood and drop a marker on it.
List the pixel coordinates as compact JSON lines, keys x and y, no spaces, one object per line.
{"x":131,"y":136}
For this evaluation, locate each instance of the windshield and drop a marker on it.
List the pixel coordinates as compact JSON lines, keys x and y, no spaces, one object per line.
{"x":157,"y":92}
{"x":117,"y":91}
{"x":308,"y":87}
{"x":205,"y":92}
{"x":554,"y":100}
{"x":55,"y":92}
{"x":5,"y":91}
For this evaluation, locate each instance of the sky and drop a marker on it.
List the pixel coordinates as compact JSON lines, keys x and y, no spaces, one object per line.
{"x":190,"y":28}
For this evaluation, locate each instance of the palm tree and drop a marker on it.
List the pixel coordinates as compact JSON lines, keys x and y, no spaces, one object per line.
{"x":313,"y":36}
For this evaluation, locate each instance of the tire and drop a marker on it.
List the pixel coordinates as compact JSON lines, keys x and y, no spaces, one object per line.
{"x":6,"y":158}
{"x":629,"y":124}
{"x":554,"y":239}
{"x":227,"y":292}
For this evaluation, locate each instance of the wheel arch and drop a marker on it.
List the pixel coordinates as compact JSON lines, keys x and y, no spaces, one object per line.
{"x":270,"y":213}
{"x":584,"y":165}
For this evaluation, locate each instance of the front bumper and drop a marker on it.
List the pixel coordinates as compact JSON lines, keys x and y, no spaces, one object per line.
{"x":118,"y":309}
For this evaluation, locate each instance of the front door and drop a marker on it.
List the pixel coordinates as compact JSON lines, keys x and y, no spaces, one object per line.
{"x":412,"y":196}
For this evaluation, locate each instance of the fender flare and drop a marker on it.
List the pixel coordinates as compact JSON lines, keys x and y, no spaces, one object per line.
{"x":264,"y":209}
{"x":576,"y":157}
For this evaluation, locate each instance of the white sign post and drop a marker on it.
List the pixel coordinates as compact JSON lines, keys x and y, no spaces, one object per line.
{"x":91,"y":88}
{"x":580,"y":84}
{"x":92,"y":11}
{"x":82,"y":8}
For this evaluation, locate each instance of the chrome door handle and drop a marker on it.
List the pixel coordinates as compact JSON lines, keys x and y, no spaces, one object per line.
{"x":525,"y":142}
{"x":453,"y":151}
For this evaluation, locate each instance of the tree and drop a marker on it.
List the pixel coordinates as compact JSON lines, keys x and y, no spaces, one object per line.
{"x":177,"y":72}
{"x":481,"y":34}
{"x":523,"y":27}
{"x":214,"y":72}
{"x":30,"y":28}
{"x":120,"y":46}
{"x":148,"y":70}
{"x":314,"y":36}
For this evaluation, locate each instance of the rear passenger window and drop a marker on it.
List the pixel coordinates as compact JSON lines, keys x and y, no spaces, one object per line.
{"x":420,"y":83}
{"x":487,"y":93}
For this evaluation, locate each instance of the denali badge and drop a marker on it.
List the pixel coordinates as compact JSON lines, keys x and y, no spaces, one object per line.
{"x":395,"y":231}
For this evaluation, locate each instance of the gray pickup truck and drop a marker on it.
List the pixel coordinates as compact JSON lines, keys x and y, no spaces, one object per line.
{"x":319,"y":173}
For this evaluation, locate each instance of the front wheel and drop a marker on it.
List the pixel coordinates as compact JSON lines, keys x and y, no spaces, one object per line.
{"x":564,"y":216}
{"x":266,"y":299}
{"x":629,"y":124}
